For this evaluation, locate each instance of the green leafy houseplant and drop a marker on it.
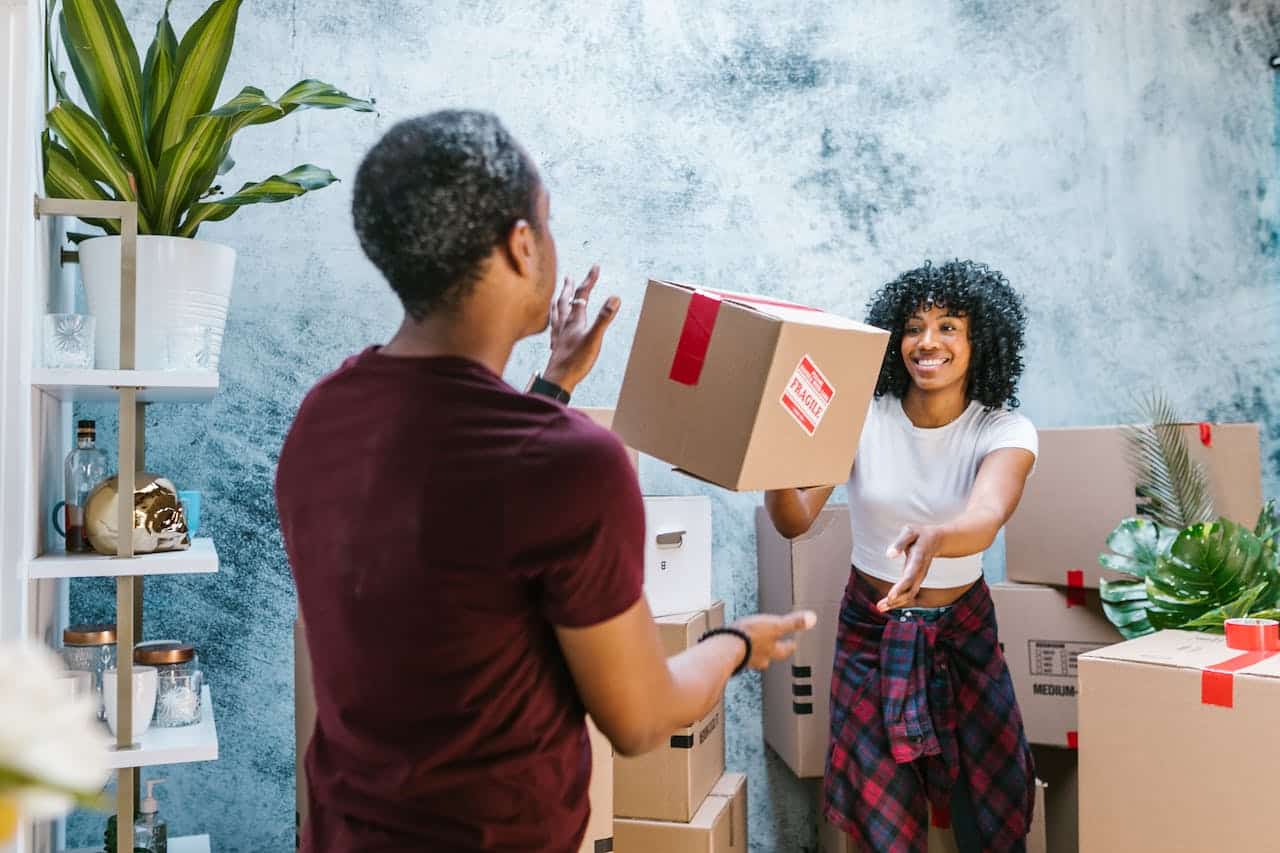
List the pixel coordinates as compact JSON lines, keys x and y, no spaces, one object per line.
{"x":151,"y":133}
{"x":1186,"y":571}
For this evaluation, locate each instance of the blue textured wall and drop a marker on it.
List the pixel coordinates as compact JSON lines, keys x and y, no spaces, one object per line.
{"x":1117,"y":160}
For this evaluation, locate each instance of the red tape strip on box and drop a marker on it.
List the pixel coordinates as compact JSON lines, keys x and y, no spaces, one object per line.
{"x":1073,"y":740}
{"x":1206,"y":434}
{"x":695,"y":338}
{"x":1259,"y":638}
{"x":700,"y":322}
{"x":1075,"y":588}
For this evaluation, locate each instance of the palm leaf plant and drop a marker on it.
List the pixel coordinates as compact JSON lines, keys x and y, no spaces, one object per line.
{"x":1185,"y":571}
{"x":1174,"y":486}
{"x":149,"y":131}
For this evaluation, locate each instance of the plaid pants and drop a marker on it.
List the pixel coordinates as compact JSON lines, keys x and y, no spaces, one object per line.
{"x":916,"y":702}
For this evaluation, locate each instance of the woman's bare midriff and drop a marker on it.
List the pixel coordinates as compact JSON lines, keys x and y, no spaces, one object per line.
{"x":927,"y":597}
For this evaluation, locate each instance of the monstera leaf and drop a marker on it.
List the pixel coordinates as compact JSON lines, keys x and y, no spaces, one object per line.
{"x":1137,"y":544}
{"x":1212,"y":572}
{"x":1193,"y":579}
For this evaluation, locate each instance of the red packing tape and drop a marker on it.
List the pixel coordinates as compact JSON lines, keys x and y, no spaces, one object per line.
{"x":1260,"y":638}
{"x":1073,"y":740}
{"x":1253,"y":635}
{"x":1206,"y":434}
{"x":1075,"y":588}
{"x":695,"y":338}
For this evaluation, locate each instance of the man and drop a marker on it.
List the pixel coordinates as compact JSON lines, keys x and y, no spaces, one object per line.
{"x":469,"y":558}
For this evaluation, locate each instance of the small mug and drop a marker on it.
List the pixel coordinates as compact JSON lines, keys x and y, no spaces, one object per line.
{"x":191,"y":508}
{"x":145,"y":682}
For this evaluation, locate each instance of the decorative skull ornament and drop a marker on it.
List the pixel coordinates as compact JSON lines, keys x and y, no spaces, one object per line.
{"x":159,"y":523}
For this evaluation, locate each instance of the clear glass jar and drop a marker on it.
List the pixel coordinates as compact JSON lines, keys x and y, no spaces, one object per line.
{"x":91,"y":649}
{"x":178,"y":684}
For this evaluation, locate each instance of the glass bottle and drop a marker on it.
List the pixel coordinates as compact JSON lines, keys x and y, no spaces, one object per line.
{"x":85,"y":468}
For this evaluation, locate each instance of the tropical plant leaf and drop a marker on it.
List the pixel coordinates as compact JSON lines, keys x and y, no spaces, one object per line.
{"x":1211,"y":570}
{"x":1138,"y":543}
{"x":312,"y":94}
{"x":105,"y":61}
{"x":322,"y":96}
{"x":1173,"y":483}
{"x":158,"y":74}
{"x":190,"y":167}
{"x":1125,"y":605}
{"x":50,"y":50}
{"x":276,"y":188}
{"x":202,"y":62}
{"x":62,"y":179}
{"x":1268,"y":526}
{"x":89,"y":147}
{"x":1211,"y":621}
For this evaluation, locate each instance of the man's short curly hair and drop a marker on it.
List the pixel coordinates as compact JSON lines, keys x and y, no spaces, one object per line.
{"x":434,"y":197}
{"x":997,"y":325}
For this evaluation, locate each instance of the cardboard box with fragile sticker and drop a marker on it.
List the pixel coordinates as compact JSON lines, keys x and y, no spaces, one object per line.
{"x":1043,"y":631}
{"x":747,"y":392}
{"x":1178,"y":746}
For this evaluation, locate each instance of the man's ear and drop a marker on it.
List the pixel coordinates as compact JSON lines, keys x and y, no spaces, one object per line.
{"x":521,"y":248}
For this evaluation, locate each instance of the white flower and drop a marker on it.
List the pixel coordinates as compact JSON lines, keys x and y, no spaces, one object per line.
{"x":46,"y":735}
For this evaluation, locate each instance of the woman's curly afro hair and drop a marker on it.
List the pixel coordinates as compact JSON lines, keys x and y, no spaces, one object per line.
{"x":997,"y":325}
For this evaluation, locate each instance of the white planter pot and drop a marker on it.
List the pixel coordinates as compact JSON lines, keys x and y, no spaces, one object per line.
{"x":184,"y":287}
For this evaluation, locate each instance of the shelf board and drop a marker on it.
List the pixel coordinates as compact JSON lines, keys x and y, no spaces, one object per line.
{"x":173,"y":746}
{"x":154,"y":386}
{"x":185,"y":844}
{"x":200,"y":558}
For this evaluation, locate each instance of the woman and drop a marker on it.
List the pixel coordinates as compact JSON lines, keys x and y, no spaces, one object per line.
{"x":923,"y":715}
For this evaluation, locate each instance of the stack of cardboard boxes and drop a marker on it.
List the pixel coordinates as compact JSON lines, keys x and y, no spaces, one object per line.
{"x":679,"y":797}
{"x":1048,"y":610}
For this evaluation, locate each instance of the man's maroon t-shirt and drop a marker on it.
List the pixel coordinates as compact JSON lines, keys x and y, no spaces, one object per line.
{"x":439,"y":524}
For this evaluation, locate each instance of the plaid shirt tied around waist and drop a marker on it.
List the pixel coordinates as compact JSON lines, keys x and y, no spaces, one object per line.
{"x":915,"y":703}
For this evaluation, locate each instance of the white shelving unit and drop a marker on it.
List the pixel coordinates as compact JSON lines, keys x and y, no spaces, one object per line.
{"x":51,"y":394}
{"x":103,"y":386}
{"x":185,"y":844}
{"x":201,"y":558}
{"x":174,"y":746}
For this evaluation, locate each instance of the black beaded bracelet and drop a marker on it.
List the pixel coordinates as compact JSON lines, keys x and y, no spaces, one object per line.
{"x":733,"y":632}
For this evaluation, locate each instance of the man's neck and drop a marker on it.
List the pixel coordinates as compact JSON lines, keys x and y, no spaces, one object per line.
{"x":449,"y":335}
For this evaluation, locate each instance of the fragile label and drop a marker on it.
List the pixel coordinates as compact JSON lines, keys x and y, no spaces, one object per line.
{"x":807,"y":395}
{"x":1053,"y":657}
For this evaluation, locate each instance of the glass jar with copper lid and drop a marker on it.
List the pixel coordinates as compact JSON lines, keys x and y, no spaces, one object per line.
{"x":178,"y":683}
{"x":91,"y":649}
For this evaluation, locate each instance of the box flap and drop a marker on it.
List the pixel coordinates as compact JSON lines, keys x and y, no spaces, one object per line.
{"x":779,"y":309}
{"x":1182,"y":650}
